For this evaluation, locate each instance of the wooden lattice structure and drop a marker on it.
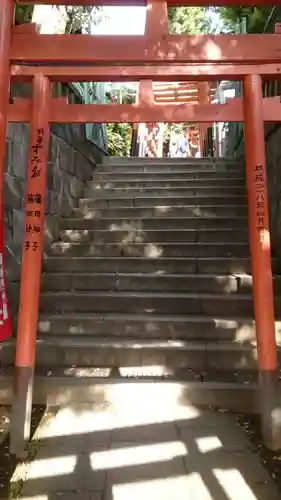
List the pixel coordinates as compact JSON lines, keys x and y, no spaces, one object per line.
{"x":176,"y":93}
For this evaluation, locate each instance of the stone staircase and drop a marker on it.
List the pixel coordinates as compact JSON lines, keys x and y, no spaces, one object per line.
{"x":152,"y":272}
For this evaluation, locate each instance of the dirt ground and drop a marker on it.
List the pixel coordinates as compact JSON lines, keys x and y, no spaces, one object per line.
{"x":270,"y":460}
{"x":8,"y":462}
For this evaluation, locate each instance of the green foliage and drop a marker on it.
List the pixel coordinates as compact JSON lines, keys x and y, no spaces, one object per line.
{"x":188,"y":20}
{"x":23,"y":13}
{"x":119,"y":139}
{"x":80,"y":18}
{"x":256,"y":17}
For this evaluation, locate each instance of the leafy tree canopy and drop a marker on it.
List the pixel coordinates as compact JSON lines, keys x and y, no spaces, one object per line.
{"x":188,"y":20}
{"x":119,"y":139}
{"x":256,"y":17}
{"x":77,"y":18}
{"x":23,"y":13}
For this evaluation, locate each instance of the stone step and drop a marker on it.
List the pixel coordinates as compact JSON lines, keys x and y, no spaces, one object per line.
{"x":144,"y":224}
{"x":121,"y":160}
{"x":151,"y":250}
{"x":138,"y":183}
{"x":149,"y":282}
{"x":223,"y":305}
{"x":136,"y":164}
{"x":88,"y":210}
{"x":151,"y":326}
{"x":201,"y":175}
{"x":162,"y":203}
{"x":151,"y":235}
{"x":160,"y":265}
{"x":166,"y":168}
{"x":136,"y":357}
{"x":90,"y":191}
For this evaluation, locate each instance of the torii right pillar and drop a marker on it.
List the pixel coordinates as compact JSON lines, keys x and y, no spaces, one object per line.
{"x":259,"y":236}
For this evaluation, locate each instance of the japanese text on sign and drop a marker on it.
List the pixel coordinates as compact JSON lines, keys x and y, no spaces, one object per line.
{"x":33,"y":213}
{"x":259,"y":181}
{"x":35,"y":159}
{"x":32,"y":229}
{"x":33,"y":245}
{"x":34,"y":198}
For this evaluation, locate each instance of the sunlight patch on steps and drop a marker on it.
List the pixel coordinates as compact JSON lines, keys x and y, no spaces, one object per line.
{"x":76,"y":235}
{"x":153,"y":251}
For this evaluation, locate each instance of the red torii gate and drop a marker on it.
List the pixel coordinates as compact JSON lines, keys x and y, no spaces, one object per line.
{"x":163,"y":93}
{"x":155,"y":56}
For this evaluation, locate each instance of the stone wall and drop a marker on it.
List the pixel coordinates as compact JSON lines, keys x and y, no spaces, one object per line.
{"x":67,"y":172}
{"x":71,"y":163}
{"x":273,"y":162}
{"x":273,"y":158}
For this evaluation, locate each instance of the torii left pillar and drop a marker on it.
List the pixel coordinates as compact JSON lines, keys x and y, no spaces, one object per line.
{"x":31,"y":265}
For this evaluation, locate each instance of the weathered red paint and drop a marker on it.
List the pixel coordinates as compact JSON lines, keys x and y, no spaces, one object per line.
{"x":165,"y":73}
{"x":203,"y":98}
{"x":27,"y":29}
{"x":145,"y":93}
{"x":6,"y":20}
{"x":61,"y":112}
{"x":133,"y":49}
{"x":34,"y":223}
{"x":156,"y":22}
{"x":259,"y":223}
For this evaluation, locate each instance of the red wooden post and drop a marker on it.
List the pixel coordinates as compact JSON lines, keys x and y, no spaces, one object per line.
{"x":156,"y":23}
{"x":203,"y":98}
{"x":6,"y":21}
{"x":31,"y":264}
{"x":261,"y":258}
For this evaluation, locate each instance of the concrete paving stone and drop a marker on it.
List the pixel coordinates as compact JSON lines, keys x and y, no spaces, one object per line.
{"x":231,"y":441}
{"x":231,"y":484}
{"x":228,"y":481}
{"x":195,"y":454}
{"x":68,"y":473}
{"x":132,"y":454}
{"x":208,"y":418}
{"x":68,"y":445}
{"x":66,"y":495}
{"x":265,"y":491}
{"x":147,"y":472}
{"x":146,"y":433}
{"x":245,"y":464}
{"x":176,"y":487}
{"x":78,"y":420}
